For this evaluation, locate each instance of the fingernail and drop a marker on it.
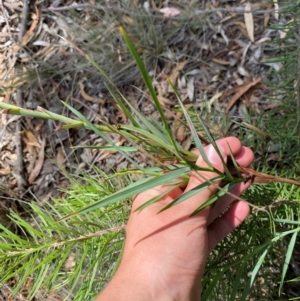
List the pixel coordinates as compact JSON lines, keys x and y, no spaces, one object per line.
{"x":213,"y":156}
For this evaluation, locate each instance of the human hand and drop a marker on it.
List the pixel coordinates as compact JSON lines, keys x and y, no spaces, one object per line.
{"x":165,"y":254}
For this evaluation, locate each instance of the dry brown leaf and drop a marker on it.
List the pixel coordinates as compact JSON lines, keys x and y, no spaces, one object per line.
{"x":164,"y":101}
{"x":60,"y":157}
{"x":31,"y":140}
{"x":175,"y":72}
{"x":39,"y":163}
{"x":31,"y":146}
{"x":89,"y":98}
{"x":160,"y":94}
{"x":191,"y":88}
{"x":221,"y":62}
{"x":267,"y":16}
{"x":106,"y":154}
{"x":241,"y":90}
{"x":212,"y":100}
{"x":255,"y":129}
{"x":39,"y":126}
{"x":43,"y":52}
{"x":133,"y":3}
{"x":181,"y":133}
{"x":30,"y":31}
{"x":5,"y":170}
{"x":186,"y":144}
{"x":249,"y":22}
{"x":31,"y":158}
{"x":262,"y":40}
{"x":70,"y":263}
{"x":272,"y":106}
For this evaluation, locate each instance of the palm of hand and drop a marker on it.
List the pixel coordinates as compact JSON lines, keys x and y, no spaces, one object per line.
{"x":172,"y":245}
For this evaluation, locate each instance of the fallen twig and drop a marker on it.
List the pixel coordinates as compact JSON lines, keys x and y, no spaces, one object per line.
{"x":19,"y":170}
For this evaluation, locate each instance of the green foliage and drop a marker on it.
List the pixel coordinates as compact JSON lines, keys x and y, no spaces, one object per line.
{"x":78,"y":254}
{"x":253,"y":263}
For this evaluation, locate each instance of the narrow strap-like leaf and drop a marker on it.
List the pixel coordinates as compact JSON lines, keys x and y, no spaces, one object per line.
{"x":134,"y":189}
{"x":98,"y":132}
{"x":191,"y":192}
{"x":157,"y":198}
{"x":214,"y":144}
{"x":192,"y":127}
{"x":254,"y":273}
{"x":287,"y":260}
{"x":149,"y":85}
{"x":215,"y":197}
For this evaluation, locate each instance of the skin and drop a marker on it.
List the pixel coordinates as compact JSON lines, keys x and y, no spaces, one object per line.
{"x":165,"y":254}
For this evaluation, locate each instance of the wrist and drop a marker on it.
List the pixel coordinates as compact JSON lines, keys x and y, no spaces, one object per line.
{"x":141,"y":279}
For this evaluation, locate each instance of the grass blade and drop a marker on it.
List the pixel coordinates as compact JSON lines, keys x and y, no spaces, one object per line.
{"x":287,"y":260}
{"x":254,"y":273}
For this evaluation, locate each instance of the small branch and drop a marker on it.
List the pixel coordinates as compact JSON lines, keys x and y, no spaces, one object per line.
{"x":25,"y":13}
{"x":19,"y":168}
{"x":56,"y":244}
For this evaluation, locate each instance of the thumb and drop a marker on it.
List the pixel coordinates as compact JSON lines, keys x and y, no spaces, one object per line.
{"x":199,"y":177}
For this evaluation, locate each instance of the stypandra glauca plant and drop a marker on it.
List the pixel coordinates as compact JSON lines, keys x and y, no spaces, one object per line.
{"x":49,"y":242}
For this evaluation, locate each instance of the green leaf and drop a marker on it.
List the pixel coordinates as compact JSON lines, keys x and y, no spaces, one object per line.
{"x":287,"y":260}
{"x":123,"y":107}
{"x":234,"y":162}
{"x":215,"y":197}
{"x":157,"y":198}
{"x":192,"y":128}
{"x":254,"y":273}
{"x":149,"y":85}
{"x":98,"y":132}
{"x":191,"y":192}
{"x":214,"y":144}
{"x":134,"y":189}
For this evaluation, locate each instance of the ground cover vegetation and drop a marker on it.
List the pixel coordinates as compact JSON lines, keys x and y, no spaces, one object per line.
{"x":136,"y":100}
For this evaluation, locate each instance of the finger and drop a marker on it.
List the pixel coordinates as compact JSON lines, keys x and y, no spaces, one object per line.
{"x":227,"y":223}
{"x":244,"y":158}
{"x":200,"y":177}
{"x":226,"y":200}
{"x":145,"y":196}
{"x":229,"y":144}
